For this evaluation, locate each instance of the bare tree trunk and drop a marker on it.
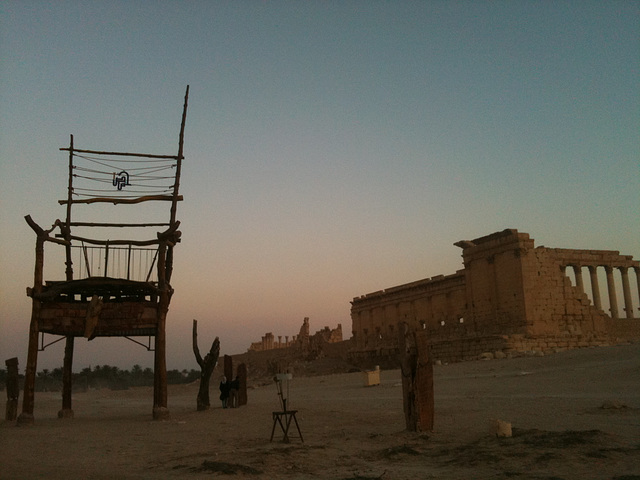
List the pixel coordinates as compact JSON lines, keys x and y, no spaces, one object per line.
{"x":207,"y":364}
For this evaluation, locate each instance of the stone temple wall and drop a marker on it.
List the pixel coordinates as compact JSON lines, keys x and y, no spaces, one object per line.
{"x":511,"y":297}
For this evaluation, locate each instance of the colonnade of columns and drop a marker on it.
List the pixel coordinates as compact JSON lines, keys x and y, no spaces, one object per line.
{"x":611,"y":287}
{"x":268,"y":341}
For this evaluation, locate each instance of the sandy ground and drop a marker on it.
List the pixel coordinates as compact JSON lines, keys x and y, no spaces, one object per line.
{"x":555,"y":404}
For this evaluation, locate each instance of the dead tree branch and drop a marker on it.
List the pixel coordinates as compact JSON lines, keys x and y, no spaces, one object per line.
{"x":207,"y":364}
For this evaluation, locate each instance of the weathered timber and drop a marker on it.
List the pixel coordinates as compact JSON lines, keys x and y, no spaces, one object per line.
{"x":207,"y":364}
{"x":13,"y":389}
{"x":93,"y":315}
{"x":242,"y":379}
{"x":129,"y":201}
{"x":121,"y":154}
{"x":44,"y":234}
{"x":26,"y":417}
{"x":66,"y":231}
{"x":228,"y":367}
{"x":136,"y":243}
{"x":417,"y":379}
{"x":160,"y":410}
{"x":105,"y":287}
{"x":117,"y":225}
{"x":180,"y":156}
{"x":67,"y":379}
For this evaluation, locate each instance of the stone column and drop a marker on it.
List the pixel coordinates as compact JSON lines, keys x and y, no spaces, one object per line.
{"x":577,"y":271}
{"x":613,"y":300}
{"x":626,"y":290}
{"x":595,"y":289}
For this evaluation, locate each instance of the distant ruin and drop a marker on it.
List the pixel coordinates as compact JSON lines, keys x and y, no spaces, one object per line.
{"x":510,"y":297}
{"x":304,"y":343}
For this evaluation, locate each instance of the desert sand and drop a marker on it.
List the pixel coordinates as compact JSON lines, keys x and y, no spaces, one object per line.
{"x":575,"y":415}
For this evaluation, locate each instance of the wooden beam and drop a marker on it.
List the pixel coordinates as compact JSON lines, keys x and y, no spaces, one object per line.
{"x":137,"y":243}
{"x":117,"y":225}
{"x":115,"y":200}
{"x":123,"y":154}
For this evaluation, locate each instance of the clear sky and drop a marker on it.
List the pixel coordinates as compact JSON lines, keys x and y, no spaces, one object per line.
{"x":333,"y":148}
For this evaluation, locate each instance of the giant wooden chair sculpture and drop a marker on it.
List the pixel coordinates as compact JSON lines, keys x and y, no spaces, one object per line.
{"x":112,"y":287}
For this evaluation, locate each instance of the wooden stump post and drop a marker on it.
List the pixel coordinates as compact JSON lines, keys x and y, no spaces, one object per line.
{"x":242,"y":377}
{"x":417,"y":379}
{"x":228,"y":367}
{"x":207,"y":364}
{"x":13,"y":389}
{"x":67,"y":379}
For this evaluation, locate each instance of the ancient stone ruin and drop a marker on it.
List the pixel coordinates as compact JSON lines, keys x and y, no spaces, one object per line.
{"x":304,"y":343}
{"x":113,"y":287}
{"x":510,"y":297}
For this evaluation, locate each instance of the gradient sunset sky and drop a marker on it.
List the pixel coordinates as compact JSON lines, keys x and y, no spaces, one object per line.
{"x":333,"y":148}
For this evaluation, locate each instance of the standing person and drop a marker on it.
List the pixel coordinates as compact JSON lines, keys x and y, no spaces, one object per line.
{"x":233,"y":392}
{"x":224,"y":391}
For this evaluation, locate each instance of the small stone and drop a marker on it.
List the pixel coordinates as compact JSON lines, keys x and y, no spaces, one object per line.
{"x":501,"y":429}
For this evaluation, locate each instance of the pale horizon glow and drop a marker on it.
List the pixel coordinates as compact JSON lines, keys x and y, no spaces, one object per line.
{"x":332,"y":149}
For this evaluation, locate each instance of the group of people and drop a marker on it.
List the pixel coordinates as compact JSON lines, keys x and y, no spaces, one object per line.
{"x":229,"y":392}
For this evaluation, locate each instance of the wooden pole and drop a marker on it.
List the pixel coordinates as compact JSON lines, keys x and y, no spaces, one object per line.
{"x":160,"y":410}
{"x":228,"y":367}
{"x":176,"y":185}
{"x":106,"y":259}
{"x":242,"y":391}
{"x":67,"y":365}
{"x":67,"y":379}
{"x":424,"y":383}
{"x":67,"y":229}
{"x":417,"y":379}
{"x":13,"y":389}
{"x":26,"y":417}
